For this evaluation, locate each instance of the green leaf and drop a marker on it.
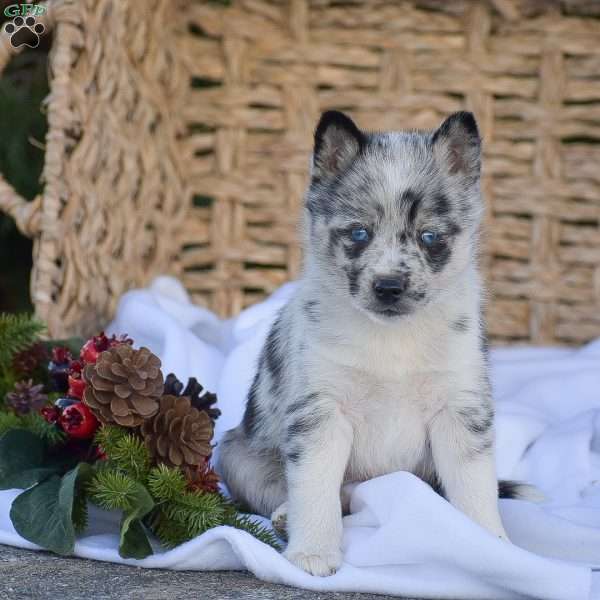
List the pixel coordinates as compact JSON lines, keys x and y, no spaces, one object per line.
{"x":24,"y":480}
{"x":83,"y":474}
{"x":48,"y":432}
{"x":133,"y":540}
{"x":44,"y":513}
{"x":22,"y":460}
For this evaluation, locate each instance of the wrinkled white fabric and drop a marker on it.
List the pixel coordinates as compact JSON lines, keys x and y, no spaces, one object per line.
{"x":401,"y":538}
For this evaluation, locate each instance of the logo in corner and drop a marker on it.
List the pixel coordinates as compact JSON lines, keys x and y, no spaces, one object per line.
{"x":23,"y":30}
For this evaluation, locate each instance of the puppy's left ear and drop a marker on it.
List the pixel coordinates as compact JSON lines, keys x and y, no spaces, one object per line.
{"x":337,"y":142}
{"x":457,"y":145}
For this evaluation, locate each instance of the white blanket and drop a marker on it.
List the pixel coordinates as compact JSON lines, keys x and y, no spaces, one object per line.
{"x":401,"y":537}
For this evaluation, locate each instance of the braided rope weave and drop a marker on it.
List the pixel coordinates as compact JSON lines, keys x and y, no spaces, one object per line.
{"x":180,"y":133}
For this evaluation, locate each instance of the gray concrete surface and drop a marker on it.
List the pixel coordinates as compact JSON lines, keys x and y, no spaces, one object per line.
{"x":26,"y":575}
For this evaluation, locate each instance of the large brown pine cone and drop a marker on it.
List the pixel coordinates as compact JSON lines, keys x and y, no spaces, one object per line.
{"x":124,"y":385}
{"x":179,"y":435}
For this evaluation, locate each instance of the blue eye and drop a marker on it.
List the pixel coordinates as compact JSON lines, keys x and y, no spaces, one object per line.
{"x":359,"y":235}
{"x":429,"y":238}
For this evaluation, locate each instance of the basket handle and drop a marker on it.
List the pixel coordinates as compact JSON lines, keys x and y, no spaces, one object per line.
{"x":26,"y":214}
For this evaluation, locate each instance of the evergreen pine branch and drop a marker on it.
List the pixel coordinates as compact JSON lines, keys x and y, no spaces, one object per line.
{"x":254,"y":528}
{"x":170,"y":533}
{"x":166,"y":483}
{"x":202,"y":502}
{"x":125,"y":450}
{"x":196,"y":511}
{"x":183,"y":514}
{"x":111,"y":489}
{"x":131,"y":456}
{"x":17,"y":332}
{"x":108,"y":436}
{"x":173,"y":523}
{"x":7,"y":384}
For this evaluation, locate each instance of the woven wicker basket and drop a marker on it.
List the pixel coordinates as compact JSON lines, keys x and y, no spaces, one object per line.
{"x":179,"y":135}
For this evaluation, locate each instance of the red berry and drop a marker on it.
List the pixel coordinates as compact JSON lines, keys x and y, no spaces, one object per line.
{"x":50,"y":414}
{"x":92,"y":348}
{"x":75,"y":368}
{"x":61,"y":355}
{"x":76,"y":387}
{"x":78,"y":421}
{"x":98,"y":344}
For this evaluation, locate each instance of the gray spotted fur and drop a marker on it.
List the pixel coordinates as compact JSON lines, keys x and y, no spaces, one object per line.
{"x":346,"y":389}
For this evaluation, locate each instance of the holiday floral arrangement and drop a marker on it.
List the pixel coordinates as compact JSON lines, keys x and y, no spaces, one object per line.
{"x":97,"y":423}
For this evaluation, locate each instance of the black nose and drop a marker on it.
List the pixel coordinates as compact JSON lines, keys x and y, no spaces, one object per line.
{"x":389,"y":290}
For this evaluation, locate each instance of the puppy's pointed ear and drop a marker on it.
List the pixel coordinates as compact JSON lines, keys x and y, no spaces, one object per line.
{"x":457,"y":145}
{"x":337,"y":142}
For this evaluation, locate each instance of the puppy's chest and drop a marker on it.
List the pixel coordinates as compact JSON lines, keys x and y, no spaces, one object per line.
{"x":390,"y":422}
{"x":377,"y":381}
{"x":389,"y":401}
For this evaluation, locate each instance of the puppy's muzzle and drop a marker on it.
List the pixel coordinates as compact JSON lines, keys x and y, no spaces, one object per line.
{"x":389,"y":290}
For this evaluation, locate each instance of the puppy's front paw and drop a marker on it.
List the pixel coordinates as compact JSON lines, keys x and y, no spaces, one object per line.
{"x":322,"y":564}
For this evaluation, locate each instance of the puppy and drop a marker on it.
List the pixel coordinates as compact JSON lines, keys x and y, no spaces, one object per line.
{"x":378,"y":362}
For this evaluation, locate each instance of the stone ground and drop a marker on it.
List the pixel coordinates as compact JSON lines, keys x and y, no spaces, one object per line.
{"x":28,"y":575}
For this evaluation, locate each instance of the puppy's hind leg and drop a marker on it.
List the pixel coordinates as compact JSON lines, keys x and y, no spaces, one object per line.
{"x":254,"y":476}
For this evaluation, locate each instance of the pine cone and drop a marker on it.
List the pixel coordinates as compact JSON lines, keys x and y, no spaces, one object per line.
{"x":179,"y":435}
{"x":124,"y":385}
{"x":193,"y":390}
{"x":26,"y":398}
{"x":28,"y":360}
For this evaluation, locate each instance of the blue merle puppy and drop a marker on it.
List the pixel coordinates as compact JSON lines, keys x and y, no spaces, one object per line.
{"x":377,"y":363}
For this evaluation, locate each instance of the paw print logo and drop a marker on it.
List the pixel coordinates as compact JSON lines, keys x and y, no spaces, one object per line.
{"x":24,"y":32}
